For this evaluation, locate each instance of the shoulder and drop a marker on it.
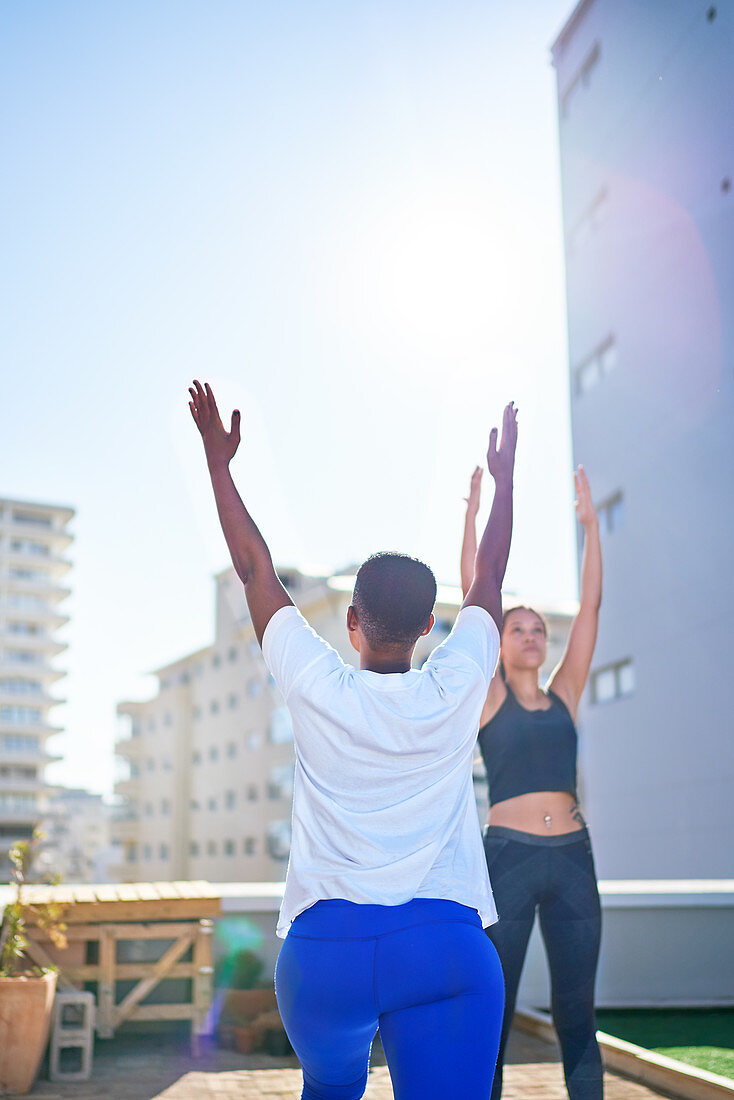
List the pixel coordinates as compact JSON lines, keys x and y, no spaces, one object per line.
{"x":474,"y":636}
{"x":294,"y":652}
{"x":563,"y":698}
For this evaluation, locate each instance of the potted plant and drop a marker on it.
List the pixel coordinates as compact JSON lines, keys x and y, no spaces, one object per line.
{"x":26,"y":991}
{"x":248,"y":1006}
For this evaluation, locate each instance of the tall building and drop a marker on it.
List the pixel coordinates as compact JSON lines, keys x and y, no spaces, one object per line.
{"x":77,"y":836}
{"x":647,"y":161}
{"x":33,"y":541}
{"x":208,"y":762}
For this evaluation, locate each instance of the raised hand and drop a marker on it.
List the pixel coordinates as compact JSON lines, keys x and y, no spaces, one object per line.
{"x":501,"y":461}
{"x":585,"y":512}
{"x":220,"y":445}
{"x":475,"y":492}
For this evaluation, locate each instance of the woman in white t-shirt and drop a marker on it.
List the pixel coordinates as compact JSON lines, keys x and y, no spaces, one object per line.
{"x":387,"y":891}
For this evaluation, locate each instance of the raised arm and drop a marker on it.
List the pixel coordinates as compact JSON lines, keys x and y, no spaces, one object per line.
{"x":569,"y":678}
{"x":248,"y":549}
{"x":469,"y":542}
{"x":494,"y":549}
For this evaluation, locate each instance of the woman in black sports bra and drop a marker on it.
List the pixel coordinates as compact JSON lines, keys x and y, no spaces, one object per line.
{"x":537,"y":845}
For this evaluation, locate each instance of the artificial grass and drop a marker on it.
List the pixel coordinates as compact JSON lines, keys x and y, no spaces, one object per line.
{"x":699,"y":1037}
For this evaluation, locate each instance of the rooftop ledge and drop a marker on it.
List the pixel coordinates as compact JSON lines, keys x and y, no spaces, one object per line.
{"x":265,"y":897}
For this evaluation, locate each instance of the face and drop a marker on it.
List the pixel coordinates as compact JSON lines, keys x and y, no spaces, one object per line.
{"x":523,"y":641}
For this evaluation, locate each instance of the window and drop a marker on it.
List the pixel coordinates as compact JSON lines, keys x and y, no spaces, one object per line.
{"x":231,"y":750}
{"x":280,"y":784}
{"x":279,"y":839}
{"x":193,"y":848}
{"x":229,"y":848}
{"x":194,"y":805}
{"x":32,"y":517}
{"x":252,"y":793}
{"x":23,"y":715}
{"x":591,"y":219}
{"x":214,"y":707}
{"x":163,"y":851}
{"x":232,"y":702}
{"x":611,"y":513}
{"x":31,"y":630}
{"x":184,"y":678}
{"x":213,"y":753}
{"x":148,"y":809}
{"x":580,"y":80}
{"x":613,"y":681}
{"x":165,"y":806}
{"x":254,"y":688}
{"x":232,"y":655}
{"x":20,"y":742}
{"x":132,"y":853}
{"x":216,"y":661}
{"x":249,"y":846}
{"x":147,"y":852}
{"x":281,"y":726}
{"x":195,"y":757}
{"x":212,"y":804}
{"x":591,"y":370}
{"x":23,"y":657}
{"x":16,"y":686}
{"x":168,"y":718}
{"x":196,"y":712}
{"x":230,"y":800}
{"x":254,"y":740}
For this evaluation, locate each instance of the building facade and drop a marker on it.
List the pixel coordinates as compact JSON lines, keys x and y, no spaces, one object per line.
{"x":77,"y":836}
{"x":647,"y":161}
{"x":208,"y":762}
{"x":33,"y":541}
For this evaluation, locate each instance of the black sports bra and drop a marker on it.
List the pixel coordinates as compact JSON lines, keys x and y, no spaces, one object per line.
{"x":529,"y":750}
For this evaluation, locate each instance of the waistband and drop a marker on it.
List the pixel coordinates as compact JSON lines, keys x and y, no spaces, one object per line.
{"x":337,"y":919}
{"x":501,"y":831}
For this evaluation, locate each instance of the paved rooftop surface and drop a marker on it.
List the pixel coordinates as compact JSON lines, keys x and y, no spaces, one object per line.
{"x":150,"y":1067}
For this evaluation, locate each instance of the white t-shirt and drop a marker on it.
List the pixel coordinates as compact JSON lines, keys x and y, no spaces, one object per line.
{"x":383,"y":803}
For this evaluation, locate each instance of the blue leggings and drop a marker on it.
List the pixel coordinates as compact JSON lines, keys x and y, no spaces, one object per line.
{"x":423,"y":972}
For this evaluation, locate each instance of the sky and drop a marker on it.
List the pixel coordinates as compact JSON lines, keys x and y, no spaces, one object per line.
{"x":345,"y":217}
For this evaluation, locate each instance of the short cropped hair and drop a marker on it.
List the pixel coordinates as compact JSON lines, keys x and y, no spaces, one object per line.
{"x":393,"y":596}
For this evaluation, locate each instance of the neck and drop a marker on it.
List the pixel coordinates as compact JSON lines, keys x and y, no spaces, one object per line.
{"x":524,"y":684}
{"x":372,"y":661}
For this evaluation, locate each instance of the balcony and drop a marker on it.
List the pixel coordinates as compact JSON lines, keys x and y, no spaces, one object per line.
{"x":37,"y":586}
{"x":44,"y":644}
{"x":20,"y":815}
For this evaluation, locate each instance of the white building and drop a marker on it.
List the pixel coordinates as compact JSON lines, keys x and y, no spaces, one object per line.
{"x":208,"y":778}
{"x":33,"y":539}
{"x":647,"y":154}
{"x":77,"y":836}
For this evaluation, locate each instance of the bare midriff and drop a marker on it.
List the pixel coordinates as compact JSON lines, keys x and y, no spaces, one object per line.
{"x":546,"y":813}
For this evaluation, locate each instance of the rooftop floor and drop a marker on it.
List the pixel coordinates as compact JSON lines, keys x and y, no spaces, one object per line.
{"x":151,"y":1067}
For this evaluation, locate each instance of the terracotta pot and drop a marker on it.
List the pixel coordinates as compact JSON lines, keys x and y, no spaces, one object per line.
{"x":25,"y":1017}
{"x":241,"y":1006}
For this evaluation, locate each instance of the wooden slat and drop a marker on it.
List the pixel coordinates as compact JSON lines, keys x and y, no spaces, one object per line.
{"x":127,"y":891}
{"x":136,"y":910}
{"x":107,"y":892}
{"x":125,"y":972}
{"x":158,"y":971}
{"x":158,"y":930}
{"x":39,"y":956}
{"x":106,"y":986}
{"x":163,"y":1012}
{"x":82,"y":894}
{"x":146,"y":891}
{"x":166,"y":891}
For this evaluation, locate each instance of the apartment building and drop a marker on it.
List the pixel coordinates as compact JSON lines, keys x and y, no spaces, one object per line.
{"x":647,"y":159}
{"x":209,"y":761}
{"x":77,"y":836}
{"x":33,"y":541}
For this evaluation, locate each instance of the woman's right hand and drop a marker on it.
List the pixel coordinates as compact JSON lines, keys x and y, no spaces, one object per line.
{"x":475,"y":492}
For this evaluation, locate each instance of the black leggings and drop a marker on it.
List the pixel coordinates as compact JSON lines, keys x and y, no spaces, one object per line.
{"x":555,"y":875}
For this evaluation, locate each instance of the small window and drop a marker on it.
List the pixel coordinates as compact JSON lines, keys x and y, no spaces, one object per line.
{"x":254,"y":740}
{"x":165,"y":806}
{"x":230,"y":800}
{"x":149,"y":809}
{"x":196,"y":757}
{"x":229,"y":848}
{"x":214,"y":707}
{"x":194,"y":805}
{"x":232,"y":702}
{"x":168,"y":718}
{"x":231,"y":750}
{"x":132,"y":853}
{"x":193,"y":848}
{"x":254,"y":688}
{"x":252,"y":793}
{"x":212,"y":804}
{"x":597,"y":365}
{"x":163,"y":851}
{"x":216,"y":661}
{"x":213,"y":753}
{"x":232,"y":655}
{"x":249,"y":846}
{"x":196,"y":713}
{"x":611,"y":513}
{"x":613,"y":681}
{"x":147,"y":852}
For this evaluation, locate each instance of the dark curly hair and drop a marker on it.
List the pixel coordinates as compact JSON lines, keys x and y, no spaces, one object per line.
{"x":393,"y":596}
